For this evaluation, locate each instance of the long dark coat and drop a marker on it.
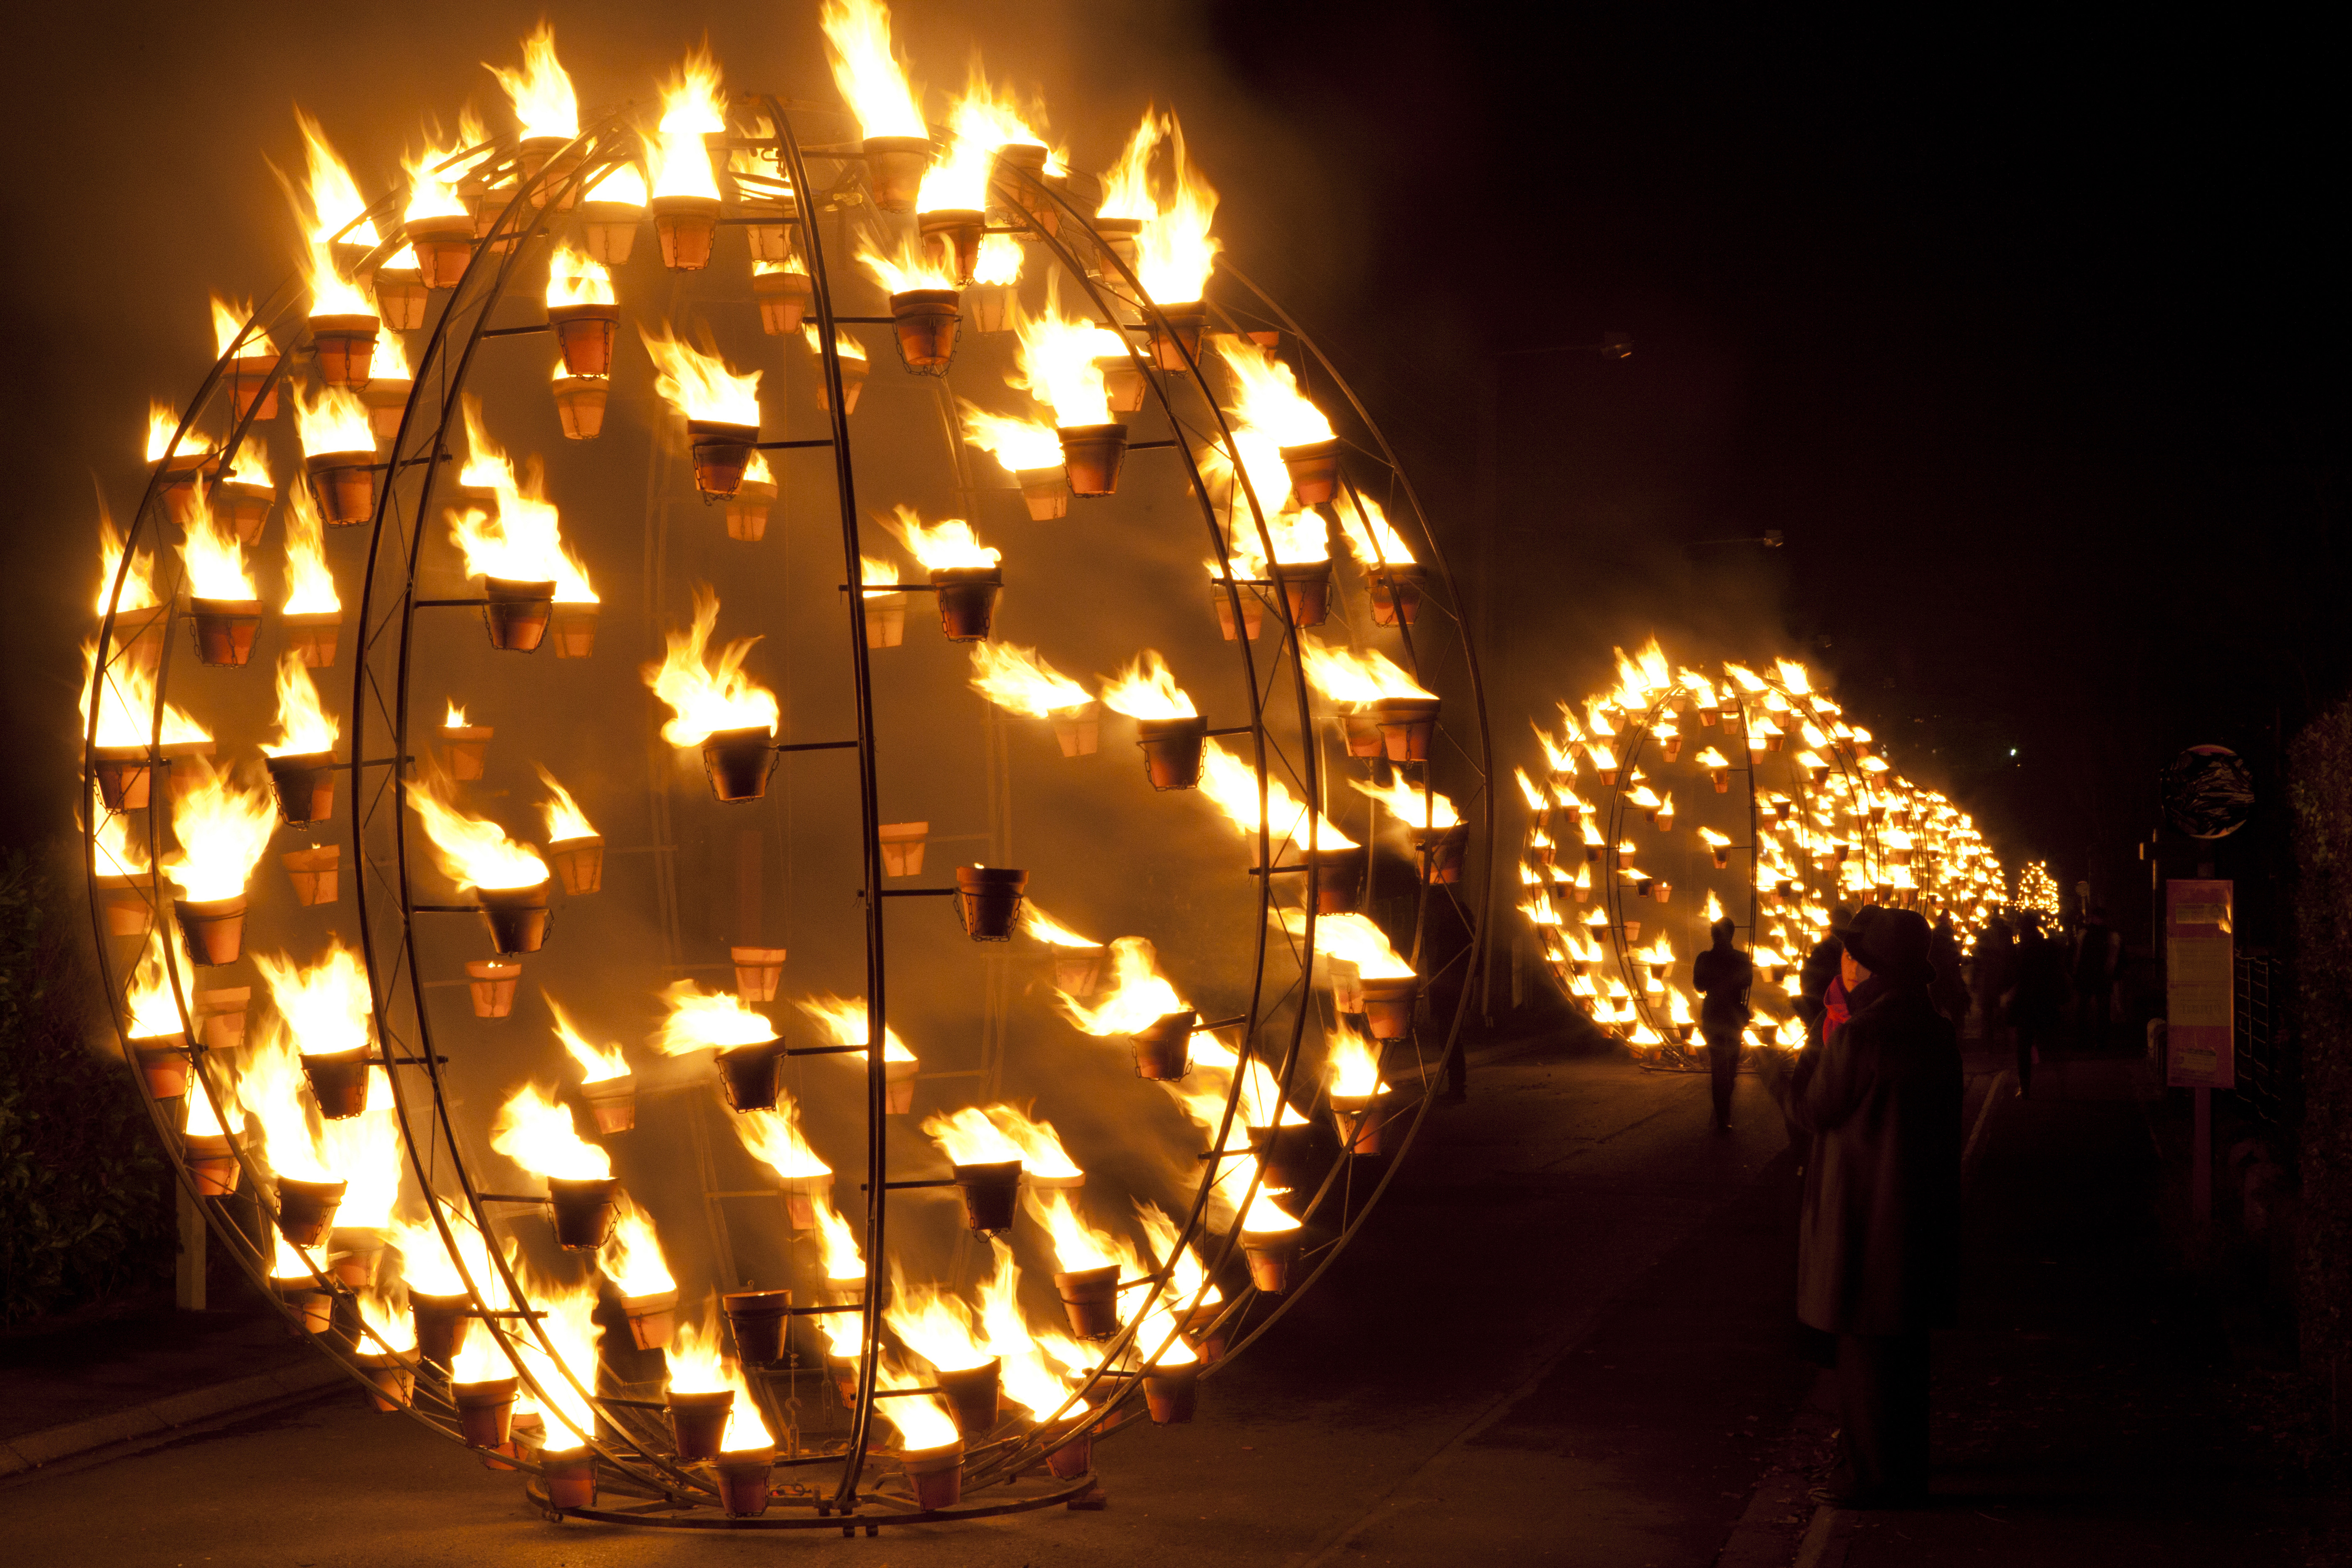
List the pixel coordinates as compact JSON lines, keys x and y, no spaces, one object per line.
{"x":1878,"y":1247}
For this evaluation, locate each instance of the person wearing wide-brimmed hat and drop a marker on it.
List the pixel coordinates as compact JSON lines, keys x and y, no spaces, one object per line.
{"x":1878,"y":1253}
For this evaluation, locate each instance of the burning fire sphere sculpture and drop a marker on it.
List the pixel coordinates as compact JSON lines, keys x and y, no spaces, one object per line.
{"x":1681,"y":795}
{"x":900,"y":1205}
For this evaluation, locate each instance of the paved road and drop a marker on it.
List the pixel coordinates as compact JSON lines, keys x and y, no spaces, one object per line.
{"x":1563,"y":1340}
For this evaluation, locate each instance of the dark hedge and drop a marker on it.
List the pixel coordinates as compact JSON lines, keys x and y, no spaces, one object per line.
{"x":2319,"y":798}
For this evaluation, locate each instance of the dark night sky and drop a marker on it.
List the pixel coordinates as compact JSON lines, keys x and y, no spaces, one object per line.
{"x":2024,"y":328}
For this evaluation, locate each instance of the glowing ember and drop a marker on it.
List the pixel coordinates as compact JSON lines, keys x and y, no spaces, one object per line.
{"x":1019,"y":680}
{"x":706,"y":697}
{"x":534,"y":1130}
{"x":475,"y":853}
{"x":701,"y":1020}
{"x":223,"y":830}
{"x":598,"y":1064}
{"x":304,"y":729}
{"x":701,"y":386}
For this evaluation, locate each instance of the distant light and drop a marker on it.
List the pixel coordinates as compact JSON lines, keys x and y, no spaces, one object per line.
{"x":2013,"y":750}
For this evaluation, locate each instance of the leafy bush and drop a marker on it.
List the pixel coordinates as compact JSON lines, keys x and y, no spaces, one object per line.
{"x":86,"y":1210}
{"x":2319,"y":785}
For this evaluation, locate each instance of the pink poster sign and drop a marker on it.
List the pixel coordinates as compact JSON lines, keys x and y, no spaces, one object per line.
{"x":2199,"y":984}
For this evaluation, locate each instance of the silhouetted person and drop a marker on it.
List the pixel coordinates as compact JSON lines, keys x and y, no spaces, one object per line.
{"x":1878,"y":1246}
{"x":1722,"y":976}
{"x":2037,"y":1003}
{"x":1995,"y":970}
{"x":1950,"y":990}
{"x":1820,"y":995}
{"x":2095,"y":978}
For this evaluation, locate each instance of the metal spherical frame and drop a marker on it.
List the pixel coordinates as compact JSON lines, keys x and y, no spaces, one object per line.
{"x":630,"y":1443}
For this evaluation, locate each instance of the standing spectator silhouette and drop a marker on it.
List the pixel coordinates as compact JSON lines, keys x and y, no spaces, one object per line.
{"x":1878,"y":1246}
{"x":1994,"y":971}
{"x":2037,"y":1003}
{"x":1950,"y":989}
{"x":1722,"y":976}
{"x":2094,"y":979}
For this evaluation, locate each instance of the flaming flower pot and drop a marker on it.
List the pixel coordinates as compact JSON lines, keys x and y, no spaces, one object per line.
{"x":1407,"y":724}
{"x":1017,"y":176}
{"x":757,"y":971}
{"x":492,"y":984}
{"x":1308,"y":586}
{"x":1118,"y":237}
{"x":738,"y":763}
{"x":613,"y":1101}
{"x":311,"y":636}
{"x":1201,"y":1332}
{"x":951,"y":238}
{"x":129,"y":904}
{"x":1171,"y":1391}
{"x":570,"y":1478}
{"x":1271,"y":1254}
{"x":225,"y":629}
{"x":344,"y":347}
{"x":1090,"y":1298}
{"x":306,"y":1210}
{"x":990,"y":305}
{"x":246,"y":505}
{"x":359,"y":1254}
{"x":971,"y":1395}
{"x":164,"y":1066}
{"x":533,"y":154}
{"x":212,"y":1164}
{"x":393,"y":1374}
{"x":783,"y":299}
{"x":651,"y":1318}
{"x":444,"y":245}
{"x":935,"y":1474}
{"x":584,"y":1210}
{"x":1091,"y":455}
{"x":138,"y":634}
{"x":720,"y":452}
{"x":1079,"y":728}
{"x":313,"y":1307}
{"x":1389,"y":1004}
{"x":1722,"y":777}
{"x":1361,"y":1118}
{"x":1441,"y":850}
{"x":580,"y":405}
{"x":898,"y":1083}
{"x":801,"y":1196}
{"x":518,"y":612}
{"x":686,"y":226}
{"x":1284,"y":1152}
{"x":902,"y":847}
{"x":441,"y":1325}
{"x":894,"y":170}
{"x":181,"y":476}
{"x":927,"y":320}
{"x":1124,"y":385}
{"x":339,"y":1082}
{"x":578,"y":864}
{"x":464,"y":749}
{"x":517,"y":917}
{"x":1252,"y":613}
{"x":842,"y":1371}
{"x":853,"y":371}
{"x":345,"y":484}
{"x":246,"y":376}
{"x":125,"y":780}
{"x":748,"y":1074}
{"x":1046,"y":491}
{"x":1163,"y":1046}
{"x":1339,"y":878}
{"x":609,"y":230}
{"x":1171,"y":750}
{"x":1178,"y":341}
{"x":967,"y":596}
{"x":1314,"y":470}
{"x":1670,"y":747}
{"x":991,"y":1191}
{"x":747,"y":513}
{"x":1076,"y":1457}
{"x":220,"y":1016}
{"x":214,"y":928}
{"x":573,"y":623}
{"x":305,"y":784}
{"x":744,"y":1481}
{"x":757,"y":1319}
{"x":886,"y":619}
{"x":400,"y":298}
{"x":698,"y":1420}
{"x":485,"y":1409}
{"x":1396,"y":596}
{"x":988,"y":898}
{"x":583,"y":333}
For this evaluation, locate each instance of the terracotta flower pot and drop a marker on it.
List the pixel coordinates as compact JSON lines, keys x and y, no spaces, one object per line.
{"x":130,"y":903}
{"x":518,"y":612}
{"x":444,"y":246}
{"x":748,"y":1074}
{"x":305,"y":785}
{"x":783,"y":299}
{"x":442,"y":1322}
{"x":1178,"y":344}
{"x":894,"y":170}
{"x":400,"y":298}
{"x":902,"y":847}
{"x":885,"y":620}
{"x":757,"y":972}
{"x":698,"y":1420}
{"x":246,"y":506}
{"x":757,"y":1319}
{"x":1271,"y":1256}
{"x":1306,"y":586}
{"x":485,"y":1410}
{"x":686,"y":226}
{"x":1163,"y":1046}
{"x":164,"y":1063}
{"x":570,"y":1478}
{"x":1171,"y":1393}
{"x":1078,"y":970}
{"x":992,"y":1194}
{"x":578,"y":864}
{"x":580,"y":405}
{"x":313,"y":1308}
{"x":1046,"y":492}
{"x":492,"y":986}
{"x":935,"y":1474}
{"x":220,"y":1016}
{"x":387,"y":406}
{"x":316,"y":874}
{"x":1172,"y":749}
{"x":744,"y":1481}
{"x":747,"y":509}
{"x":1407,"y":726}
{"x":608,"y":230}
{"x":1125,"y":386}
{"x":126,"y":776}
{"x":357,"y":1255}
{"x":1389,"y":1004}
{"x":311,"y":636}
{"x":974,"y":1395}
{"x":738,"y":763}
{"x":1091,"y":457}
{"x":853,"y":371}
{"x":1336,"y":877}
{"x":465,"y":750}
{"x":343,"y":348}
{"x":1396,"y":595}
{"x":517,"y":917}
{"x":339,"y":1082}
{"x":1253,"y":612}
{"x":1441,"y":850}
{"x":584,"y":336}
{"x":1314,"y":467}
{"x":306,"y":1210}
{"x":225,"y":629}
{"x":211,"y":1165}
{"x":343,"y":484}
{"x":1090,"y":1298}
{"x":898,"y":1087}
{"x":1079,"y":729}
{"x":214,"y":928}
{"x":573,"y":625}
{"x":988,"y":898}
{"x":255,"y":394}
{"x":925,"y":320}
{"x":720,"y":452}
{"x":1118,"y":237}
{"x":967,"y":596}
{"x":584,"y":1210}
{"x":951,"y":239}
{"x":1360,"y":1120}
{"x":613,"y":1101}
{"x":137,"y":639}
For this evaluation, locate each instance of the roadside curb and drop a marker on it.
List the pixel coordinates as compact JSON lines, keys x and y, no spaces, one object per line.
{"x":31,"y":1450}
